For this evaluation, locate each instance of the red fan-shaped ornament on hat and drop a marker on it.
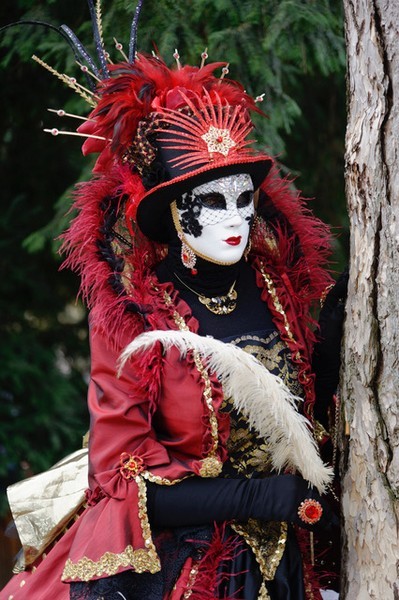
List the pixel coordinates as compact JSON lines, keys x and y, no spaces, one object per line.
{"x":210,"y":130}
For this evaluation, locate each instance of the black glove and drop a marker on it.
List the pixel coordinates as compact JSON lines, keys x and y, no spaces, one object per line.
{"x":199,"y":501}
{"x":327,"y":351}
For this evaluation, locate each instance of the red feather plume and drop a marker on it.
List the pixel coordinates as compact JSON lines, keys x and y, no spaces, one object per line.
{"x":134,"y":91}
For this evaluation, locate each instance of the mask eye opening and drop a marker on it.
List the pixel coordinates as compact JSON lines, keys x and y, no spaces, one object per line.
{"x":213,"y":200}
{"x":245,"y":199}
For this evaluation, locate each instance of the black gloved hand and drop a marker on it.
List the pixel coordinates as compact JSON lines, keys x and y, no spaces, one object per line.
{"x":199,"y":501}
{"x":281,"y":499}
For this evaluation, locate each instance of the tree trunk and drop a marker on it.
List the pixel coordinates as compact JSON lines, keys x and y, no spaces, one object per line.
{"x":370,"y":386}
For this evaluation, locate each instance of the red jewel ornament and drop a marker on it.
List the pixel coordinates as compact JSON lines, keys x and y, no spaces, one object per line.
{"x":194,"y":272}
{"x":310,"y":511}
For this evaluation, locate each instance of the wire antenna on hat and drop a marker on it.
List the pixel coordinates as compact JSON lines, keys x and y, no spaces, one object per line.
{"x":133,"y":32}
{"x":119,"y":47}
{"x":95,"y":14}
{"x":204,"y":56}
{"x":60,"y":112}
{"x":54,"y":131}
{"x":85,"y":69}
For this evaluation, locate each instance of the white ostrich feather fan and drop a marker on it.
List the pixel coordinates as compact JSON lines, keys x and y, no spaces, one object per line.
{"x":260,"y":396}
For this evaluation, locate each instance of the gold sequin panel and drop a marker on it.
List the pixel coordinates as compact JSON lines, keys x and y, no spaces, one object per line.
{"x":247,"y":451}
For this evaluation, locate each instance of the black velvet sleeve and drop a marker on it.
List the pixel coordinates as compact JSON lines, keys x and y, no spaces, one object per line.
{"x":200,"y":501}
{"x":327,"y":351}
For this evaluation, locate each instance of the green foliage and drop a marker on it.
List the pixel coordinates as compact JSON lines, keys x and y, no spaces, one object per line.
{"x":44,"y":350}
{"x":291,"y":50}
{"x":40,"y":410}
{"x":42,"y":390}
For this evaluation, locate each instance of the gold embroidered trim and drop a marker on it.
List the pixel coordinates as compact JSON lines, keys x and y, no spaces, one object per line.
{"x":319,"y":432}
{"x":162,"y":480}
{"x":277,"y":304}
{"x":270,"y":352}
{"x":191,"y":580}
{"x":208,"y":401}
{"x":251,"y":338}
{"x":140,"y":560}
{"x":262,"y":230}
{"x":211,"y":465}
{"x":145,"y":524}
{"x":178,"y":319}
{"x":268,"y":558}
{"x":85,"y":439}
{"x":85,"y":569}
{"x":279,"y":307}
{"x":263,"y":593}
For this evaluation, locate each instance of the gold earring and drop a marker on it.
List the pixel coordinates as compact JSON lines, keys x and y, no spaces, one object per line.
{"x":188,"y":257}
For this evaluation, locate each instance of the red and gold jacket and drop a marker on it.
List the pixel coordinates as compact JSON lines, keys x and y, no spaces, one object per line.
{"x":160,"y":420}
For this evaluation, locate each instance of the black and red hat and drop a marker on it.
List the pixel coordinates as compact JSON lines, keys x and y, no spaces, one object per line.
{"x":175,"y":129}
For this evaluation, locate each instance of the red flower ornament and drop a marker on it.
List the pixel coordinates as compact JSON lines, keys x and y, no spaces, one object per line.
{"x":131,"y":465}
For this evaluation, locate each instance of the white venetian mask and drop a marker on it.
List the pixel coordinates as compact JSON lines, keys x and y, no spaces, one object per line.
{"x":216,"y":218}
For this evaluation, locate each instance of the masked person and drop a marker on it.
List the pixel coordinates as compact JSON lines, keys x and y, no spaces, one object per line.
{"x":200,"y":267}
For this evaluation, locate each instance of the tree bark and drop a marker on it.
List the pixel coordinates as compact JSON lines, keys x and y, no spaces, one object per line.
{"x":370,"y":382}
